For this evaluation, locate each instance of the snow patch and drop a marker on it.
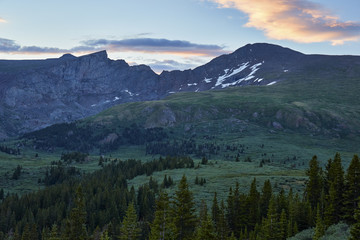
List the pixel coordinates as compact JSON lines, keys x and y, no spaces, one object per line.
{"x":207,"y":80}
{"x":115,"y":99}
{"x":171,"y":92}
{"x":94,"y":105}
{"x":222,"y":78}
{"x":272,"y":83}
{"x":254,"y":68}
{"x":192,"y":84}
{"x":128,"y":92}
{"x":197,"y":90}
{"x":286,"y":70}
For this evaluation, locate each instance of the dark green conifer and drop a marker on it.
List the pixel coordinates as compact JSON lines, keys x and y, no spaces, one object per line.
{"x":129,"y":227}
{"x":352,"y":190}
{"x":355,"y":229}
{"x":314,"y":184}
{"x":163,"y":226}
{"x":184,"y":211}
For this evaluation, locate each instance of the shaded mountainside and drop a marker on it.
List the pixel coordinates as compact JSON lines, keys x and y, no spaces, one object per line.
{"x":39,"y":93}
{"x":323,"y":116}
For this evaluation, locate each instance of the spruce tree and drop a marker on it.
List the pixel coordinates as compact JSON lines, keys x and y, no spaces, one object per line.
{"x":265,"y":197}
{"x":184,"y":211}
{"x":335,"y":188}
{"x":163,"y":226}
{"x":314,"y":184}
{"x":76,"y":224}
{"x":253,"y":203}
{"x":355,"y":229}
{"x":206,"y":229}
{"x":283,"y":225}
{"x":129,"y":227}
{"x":215,"y":210}
{"x":221,"y":226}
{"x":319,"y":228}
{"x":352,"y":190}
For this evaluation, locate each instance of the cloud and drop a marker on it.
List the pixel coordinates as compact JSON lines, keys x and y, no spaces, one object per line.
{"x":2,"y":20}
{"x":155,"y":45}
{"x":296,"y":20}
{"x":7,"y":45}
{"x":168,"y":65}
{"x":143,"y":45}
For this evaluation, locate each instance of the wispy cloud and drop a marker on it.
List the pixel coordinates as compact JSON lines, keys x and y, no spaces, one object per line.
{"x":2,"y":20}
{"x":296,"y":20}
{"x":168,"y":65}
{"x":144,"y":45}
{"x":155,"y":45}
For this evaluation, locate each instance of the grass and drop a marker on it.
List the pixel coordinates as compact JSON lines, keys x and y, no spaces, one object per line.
{"x":221,"y":175}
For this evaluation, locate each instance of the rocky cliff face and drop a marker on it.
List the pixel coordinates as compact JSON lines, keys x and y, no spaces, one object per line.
{"x":39,"y":93}
{"x":69,"y":88}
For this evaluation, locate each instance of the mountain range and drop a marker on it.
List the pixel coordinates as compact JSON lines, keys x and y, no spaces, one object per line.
{"x":38,"y":93}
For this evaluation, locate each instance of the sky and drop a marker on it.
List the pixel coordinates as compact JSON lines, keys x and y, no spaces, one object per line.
{"x":174,"y":34}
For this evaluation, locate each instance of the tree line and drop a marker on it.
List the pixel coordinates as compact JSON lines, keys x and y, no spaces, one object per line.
{"x":101,"y":206}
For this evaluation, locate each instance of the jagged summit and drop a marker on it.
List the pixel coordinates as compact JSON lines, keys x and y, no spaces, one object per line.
{"x":67,"y":56}
{"x":35,"y":94}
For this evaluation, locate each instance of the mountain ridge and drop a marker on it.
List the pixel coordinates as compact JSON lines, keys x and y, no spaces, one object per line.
{"x":38,"y":93}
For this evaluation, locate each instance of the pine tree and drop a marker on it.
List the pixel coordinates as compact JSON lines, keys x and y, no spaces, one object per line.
{"x":335,"y":180}
{"x":319,"y":228}
{"x":54,"y":235}
{"x":355,"y":229}
{"x":76,"y":227}
{"x":206,"y":229}
{"x":105,"y":235}
{"x":163,"y":226}
{"x":314,"y":184}
{"x":265,"y":197}
{"x":221,"y":226}
{"x":215,"y":210}
{"x":270,"y":226}
{"x":283,"y":225}
{"x":352,"y":190}
{"x":184,"y":211}
{"x":129,"y":227}
{"x":253,"y":203}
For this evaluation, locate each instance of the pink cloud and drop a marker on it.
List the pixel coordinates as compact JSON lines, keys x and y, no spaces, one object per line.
{"x":2,"y":20}
{"x":296,"y":20}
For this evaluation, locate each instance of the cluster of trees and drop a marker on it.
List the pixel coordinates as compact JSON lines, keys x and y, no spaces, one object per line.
{"x":105,"y":193}
{"x":9,"y":150}
{"x":58,"y":173}
{"x":333,"y":194}
{"x":75,"y":137}
{"x":70,"y":157}
{"x":103,"y":207}
{"x":190,"y":146}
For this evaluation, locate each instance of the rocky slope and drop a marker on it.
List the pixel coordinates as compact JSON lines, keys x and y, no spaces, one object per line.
{"x":35,"y":94}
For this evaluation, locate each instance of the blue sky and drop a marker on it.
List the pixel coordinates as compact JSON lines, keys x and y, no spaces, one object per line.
{"x":174,"y":34}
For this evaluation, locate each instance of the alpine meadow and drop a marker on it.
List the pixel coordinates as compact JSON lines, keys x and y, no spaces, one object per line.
{"x":191,"y":139}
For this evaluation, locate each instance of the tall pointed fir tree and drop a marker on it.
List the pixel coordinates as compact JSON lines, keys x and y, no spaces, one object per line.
{"x":265,"y":197}
{"x":352,"y":190}
{"x":215,"y":210}
{"x":334,"y":197}
{"x":319,"y":228}
{"x":76,"y":224}
{"x":254,"y":207}
{"x":222,"y":229}
{"x":129,"y":227}
{"x":184,"y":211}
{"x":355,"y":229}
{"x":206,"y":230}
{"x":163,"y":226}
{"x":270,"y":229}
{"x":315,"y":183}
